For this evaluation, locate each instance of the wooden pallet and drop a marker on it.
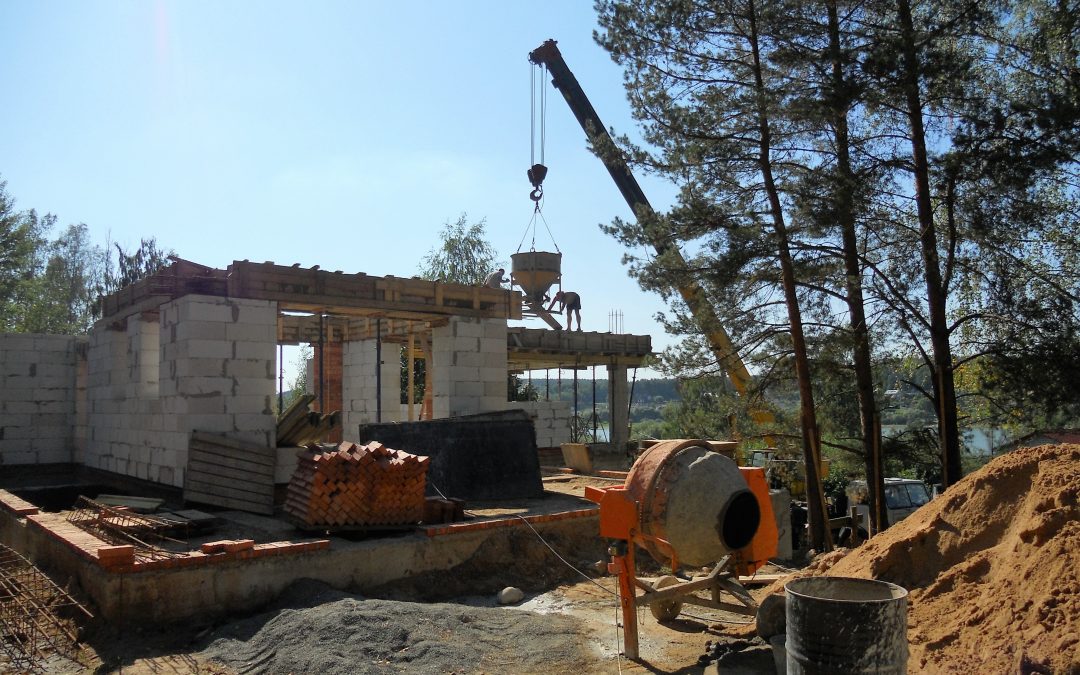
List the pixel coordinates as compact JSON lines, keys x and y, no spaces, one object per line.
{"x":229,"y":473}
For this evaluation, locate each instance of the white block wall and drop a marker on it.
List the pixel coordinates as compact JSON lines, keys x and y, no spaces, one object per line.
{"x":123,"y":417}
{"x":212,"y":370}
{"x":360,"y":385}
{"x":37,"y":398}
{"x":551,"y":419}
{"x":468,"y":363}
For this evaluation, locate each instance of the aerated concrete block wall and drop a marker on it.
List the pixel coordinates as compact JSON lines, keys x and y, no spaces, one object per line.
{"x":207,"y":363}
{"x":551,"y":419}
{"x":364,"y":382}
{"x":124,"y":422}
{"x":468,"y":363}
{"x":38,"y":378}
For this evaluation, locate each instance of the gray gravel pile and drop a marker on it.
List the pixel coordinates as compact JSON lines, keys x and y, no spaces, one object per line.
{"x":314,"y":629}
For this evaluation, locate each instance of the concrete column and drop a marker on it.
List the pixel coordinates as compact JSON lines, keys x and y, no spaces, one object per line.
{"x":361,"y":381}
{"x":468,"y":367}
{"x":618,"y":404}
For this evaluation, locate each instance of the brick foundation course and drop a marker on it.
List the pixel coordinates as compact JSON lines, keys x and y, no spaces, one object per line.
{"x":123,"y":558}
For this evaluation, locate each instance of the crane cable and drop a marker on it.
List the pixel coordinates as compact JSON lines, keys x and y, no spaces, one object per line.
{"x":538,"y":193}
{"x":532,"y":114}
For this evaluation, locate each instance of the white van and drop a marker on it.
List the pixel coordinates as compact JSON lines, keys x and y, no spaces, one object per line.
{"x":903,"y":496}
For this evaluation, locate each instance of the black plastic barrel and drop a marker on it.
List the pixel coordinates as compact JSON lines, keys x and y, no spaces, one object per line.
{"x":839,"y":625}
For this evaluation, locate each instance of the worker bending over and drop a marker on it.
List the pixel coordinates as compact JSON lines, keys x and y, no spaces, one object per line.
{"x":571,"y":303}
{"x":495,"y":279}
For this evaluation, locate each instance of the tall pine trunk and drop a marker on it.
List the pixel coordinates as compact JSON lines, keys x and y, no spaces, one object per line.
{"x":845,"y":210}
{"x":942,"y":362}
{"x":820,"y":538}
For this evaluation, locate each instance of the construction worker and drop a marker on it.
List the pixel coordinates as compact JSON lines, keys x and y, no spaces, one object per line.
{"x":570,"y":302}
{"x":495,"y":279}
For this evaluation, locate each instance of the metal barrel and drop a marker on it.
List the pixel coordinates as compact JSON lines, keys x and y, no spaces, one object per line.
{"x":839,"y":625}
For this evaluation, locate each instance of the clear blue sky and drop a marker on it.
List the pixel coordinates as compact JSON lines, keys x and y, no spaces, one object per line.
{"x":339,"y":134}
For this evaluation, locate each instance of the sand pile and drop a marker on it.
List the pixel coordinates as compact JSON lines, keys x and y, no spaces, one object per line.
{"x":992,"y":566}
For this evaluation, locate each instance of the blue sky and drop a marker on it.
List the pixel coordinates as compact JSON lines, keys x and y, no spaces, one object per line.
{"x":339,"y":134}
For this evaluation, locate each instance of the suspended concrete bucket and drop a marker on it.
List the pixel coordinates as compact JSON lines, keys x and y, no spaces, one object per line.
{"x":840,"y":625}
{"x":535,"y":272}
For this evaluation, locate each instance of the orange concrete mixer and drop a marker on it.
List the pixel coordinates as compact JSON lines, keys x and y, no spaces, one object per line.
{"x":686,"y":502}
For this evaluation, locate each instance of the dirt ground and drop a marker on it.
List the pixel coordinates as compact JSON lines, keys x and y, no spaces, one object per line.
{"x":992,"y":567}
{"x":434,"y":623}
{"x":312,"y":628}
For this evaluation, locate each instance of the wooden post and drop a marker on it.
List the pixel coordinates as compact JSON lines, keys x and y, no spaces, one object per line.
{"x":411,"y":356}
{"x":627,"y":571}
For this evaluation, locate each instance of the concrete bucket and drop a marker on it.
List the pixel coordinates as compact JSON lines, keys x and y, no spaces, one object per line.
{"x":694,"y":498}
{"x":534,"y":272}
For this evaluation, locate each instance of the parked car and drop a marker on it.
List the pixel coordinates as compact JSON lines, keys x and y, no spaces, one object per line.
{"x":903,"y":496}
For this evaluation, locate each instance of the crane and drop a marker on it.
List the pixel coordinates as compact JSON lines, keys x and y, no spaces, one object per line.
{"x":692,"y":293}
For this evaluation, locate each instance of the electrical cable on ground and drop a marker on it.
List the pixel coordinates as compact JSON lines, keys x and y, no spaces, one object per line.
{"x":564,"y":560}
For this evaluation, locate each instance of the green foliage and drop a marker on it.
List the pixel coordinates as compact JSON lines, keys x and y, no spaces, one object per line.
{"x":419,"y":377}
{"x":135,"y":265}
{"x":980,"y":283}
{"x":299,"y":384}
{"x":52,"y":285}
{"x":464,"y":255}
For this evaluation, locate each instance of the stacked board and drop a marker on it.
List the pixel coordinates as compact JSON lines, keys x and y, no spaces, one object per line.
{"x":357,"y":486}
{"x":229,"y":473}
{"x":299,"y":426}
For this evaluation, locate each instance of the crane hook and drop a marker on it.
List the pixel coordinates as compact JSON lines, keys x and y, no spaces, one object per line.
{"x":537,"y":173}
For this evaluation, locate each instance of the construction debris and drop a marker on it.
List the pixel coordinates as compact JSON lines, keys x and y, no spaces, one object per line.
{"x":123,"y":529}
{"x":299,"y":426}
{"x":357,"y":486}
{"x":38,"y":619}
{"x":137,"y":504}
{"x":992,"y":567}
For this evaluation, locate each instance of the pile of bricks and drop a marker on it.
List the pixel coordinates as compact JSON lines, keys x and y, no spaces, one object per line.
{"x":357,"y":486}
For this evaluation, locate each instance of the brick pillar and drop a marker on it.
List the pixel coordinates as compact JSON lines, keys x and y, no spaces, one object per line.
{"x":331,"y":383}
{"x":468,"y":367}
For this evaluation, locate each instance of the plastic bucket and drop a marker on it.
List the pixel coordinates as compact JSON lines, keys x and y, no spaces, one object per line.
{"x":841,"y":625}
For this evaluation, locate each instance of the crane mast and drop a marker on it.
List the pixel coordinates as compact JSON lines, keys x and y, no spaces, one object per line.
{"x":692,"y":293}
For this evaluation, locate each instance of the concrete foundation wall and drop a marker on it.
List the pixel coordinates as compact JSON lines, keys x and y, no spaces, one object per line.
{"x":468,"y":364}
{"x":240,"y":586}
{"x":551,"y":419}
{"x":205,"y":363}
{"x":38,"y":392}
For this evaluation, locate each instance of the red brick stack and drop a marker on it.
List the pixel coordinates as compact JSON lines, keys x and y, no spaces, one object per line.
{"x":357,"y":485}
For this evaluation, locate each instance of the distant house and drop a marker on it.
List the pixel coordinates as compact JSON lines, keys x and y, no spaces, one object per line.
{"x":1053,"y":437}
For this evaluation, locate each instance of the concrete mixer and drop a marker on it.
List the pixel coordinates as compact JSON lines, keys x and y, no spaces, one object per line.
{"x":686,"y":502}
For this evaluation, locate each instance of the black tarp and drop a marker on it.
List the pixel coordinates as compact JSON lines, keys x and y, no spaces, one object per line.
{"x":473,"y":457}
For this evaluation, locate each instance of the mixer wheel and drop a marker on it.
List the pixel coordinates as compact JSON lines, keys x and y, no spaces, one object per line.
{"x":668,"y":609}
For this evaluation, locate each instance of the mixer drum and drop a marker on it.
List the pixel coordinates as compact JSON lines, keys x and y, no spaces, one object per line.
{"x":694,"y":498}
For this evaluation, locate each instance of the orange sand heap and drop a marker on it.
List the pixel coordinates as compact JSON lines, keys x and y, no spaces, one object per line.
{"x":992,"y":566}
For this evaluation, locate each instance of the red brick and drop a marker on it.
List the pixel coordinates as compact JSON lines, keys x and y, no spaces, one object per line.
{"x":239,"y":545}
{"x":214,"y":546}
{"x":116,"y":554}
